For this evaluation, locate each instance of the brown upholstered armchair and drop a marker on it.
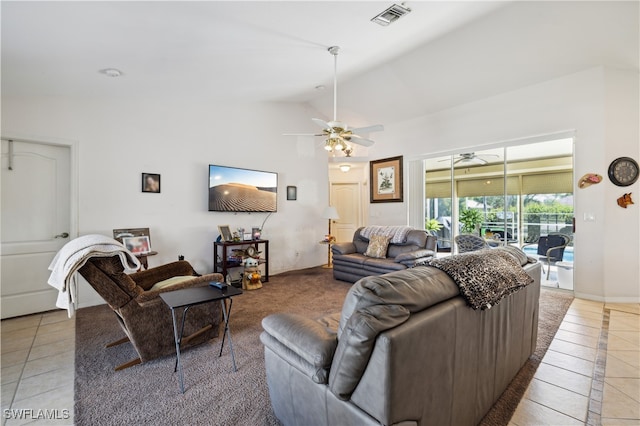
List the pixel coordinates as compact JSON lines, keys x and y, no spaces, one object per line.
{"x":144,"y":317}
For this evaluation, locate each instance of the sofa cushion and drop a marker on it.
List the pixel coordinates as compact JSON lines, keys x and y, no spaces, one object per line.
{"x":416,"y":289}
{"x":171,"y":281}
{"x":378,"y":245}
{"x":355,"y":346}
{"x":410,"y":257}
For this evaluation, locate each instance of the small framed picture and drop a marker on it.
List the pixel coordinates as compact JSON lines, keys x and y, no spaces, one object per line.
{"x":137,"y":245}
{"x":151,"y":182}
{"x":225,"y":231}
{"x":292,"y":193}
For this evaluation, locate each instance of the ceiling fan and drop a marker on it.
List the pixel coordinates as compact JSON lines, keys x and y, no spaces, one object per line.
{"x":471,"y":158}
{"x":338,"y":134}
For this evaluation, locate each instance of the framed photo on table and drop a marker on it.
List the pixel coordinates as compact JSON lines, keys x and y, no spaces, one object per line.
{"x":137,"y":245}
{"x":225,"y":231}
{"x":385,"y":180}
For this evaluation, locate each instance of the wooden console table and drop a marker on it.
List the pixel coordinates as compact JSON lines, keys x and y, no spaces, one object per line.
{"x":221,"y":262}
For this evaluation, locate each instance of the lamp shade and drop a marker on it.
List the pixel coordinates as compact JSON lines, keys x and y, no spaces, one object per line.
{"x":330,"y":213}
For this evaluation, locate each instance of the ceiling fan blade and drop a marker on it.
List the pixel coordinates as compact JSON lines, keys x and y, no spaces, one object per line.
{"x":303,"y":134}
{"x":368,"y":129}
{"x":361,"y":141}
{"x":322,"y":123}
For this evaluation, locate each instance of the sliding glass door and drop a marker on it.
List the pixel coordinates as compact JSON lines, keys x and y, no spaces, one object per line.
{"x":505,"y":195}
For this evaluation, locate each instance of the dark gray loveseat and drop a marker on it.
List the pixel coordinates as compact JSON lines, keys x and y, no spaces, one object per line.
{"x":350,"y":264}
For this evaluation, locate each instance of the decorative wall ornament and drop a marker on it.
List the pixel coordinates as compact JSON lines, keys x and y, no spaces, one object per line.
{"x":589,"y":179}
{"x":625,"y":200}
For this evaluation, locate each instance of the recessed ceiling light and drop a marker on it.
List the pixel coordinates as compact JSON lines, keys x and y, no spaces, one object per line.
{"x":111,"y":72}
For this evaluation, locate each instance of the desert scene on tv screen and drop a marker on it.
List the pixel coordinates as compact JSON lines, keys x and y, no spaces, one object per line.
{"x":241,"y":190}
{"x":234,"y":197}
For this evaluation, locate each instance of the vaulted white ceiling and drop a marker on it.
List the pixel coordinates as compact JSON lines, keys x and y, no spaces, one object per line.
{"x":441,"y":54}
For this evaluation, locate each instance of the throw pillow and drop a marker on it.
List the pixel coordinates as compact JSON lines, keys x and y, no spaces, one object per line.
{"x":378,"y":245}
{"x":171,"y":281}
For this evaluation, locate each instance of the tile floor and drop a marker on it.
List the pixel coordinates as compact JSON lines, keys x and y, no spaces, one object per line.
{"x":591,"y":373}
{"x":37,"y":369}
{"x":589,"y":376}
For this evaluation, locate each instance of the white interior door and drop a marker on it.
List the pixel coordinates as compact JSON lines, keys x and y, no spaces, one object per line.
{"x":347,"y":199}
{"x":35,"y":224}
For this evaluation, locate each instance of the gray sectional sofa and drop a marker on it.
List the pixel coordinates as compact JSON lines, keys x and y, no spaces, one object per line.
{"x":350,"y":264}
{"x":407,"y":348}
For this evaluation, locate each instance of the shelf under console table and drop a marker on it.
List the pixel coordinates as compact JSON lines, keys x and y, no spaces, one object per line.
{"x":221,"y":262}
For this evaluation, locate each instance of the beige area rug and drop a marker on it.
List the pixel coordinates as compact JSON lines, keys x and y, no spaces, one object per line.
{"x":214,"y":394}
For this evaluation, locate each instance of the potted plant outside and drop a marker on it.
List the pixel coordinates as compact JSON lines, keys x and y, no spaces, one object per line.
{"x":470,"y":220}
{"x":432,"y":225}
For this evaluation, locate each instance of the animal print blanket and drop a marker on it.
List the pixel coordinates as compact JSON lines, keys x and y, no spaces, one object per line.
{"x":485,"y":276}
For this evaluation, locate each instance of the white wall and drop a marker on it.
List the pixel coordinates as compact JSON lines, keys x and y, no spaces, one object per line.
{"x":601,"y":106}
{"x":119,"y":139}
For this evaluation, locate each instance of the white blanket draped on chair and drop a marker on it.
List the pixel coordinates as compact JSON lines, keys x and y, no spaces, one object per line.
{"x":73,"y":255}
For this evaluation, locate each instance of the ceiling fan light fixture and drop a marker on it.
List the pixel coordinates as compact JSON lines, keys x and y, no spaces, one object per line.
{"x":338,"y":133}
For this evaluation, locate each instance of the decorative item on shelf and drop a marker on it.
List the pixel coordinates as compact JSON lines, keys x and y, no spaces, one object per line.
{"x":251,"y":277}
{"x":329,"y":239}
{"x":625,"y":200}
{"x":236,"y":257}
{"x":225,"y":232}
{"x":251,"y":251}
{"x":256,"y":233}
{"x":240,"y":233}
{"x":589,"y":179}
{"x":137,"y":245}
{"x":236,"y":237}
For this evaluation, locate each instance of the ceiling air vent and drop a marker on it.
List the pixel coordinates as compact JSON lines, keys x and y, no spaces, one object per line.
{"x":390,"y":15}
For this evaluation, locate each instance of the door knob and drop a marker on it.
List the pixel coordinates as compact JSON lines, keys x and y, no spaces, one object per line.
{"x":63,"y":235}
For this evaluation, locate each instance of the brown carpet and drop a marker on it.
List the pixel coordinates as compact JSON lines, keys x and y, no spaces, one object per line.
{"x":214,"y":394}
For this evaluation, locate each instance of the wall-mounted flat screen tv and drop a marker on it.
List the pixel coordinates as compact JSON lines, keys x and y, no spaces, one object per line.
{"x":232,"y":189}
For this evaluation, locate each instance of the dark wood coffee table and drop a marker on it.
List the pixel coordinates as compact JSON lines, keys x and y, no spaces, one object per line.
{"x":189,"y":297}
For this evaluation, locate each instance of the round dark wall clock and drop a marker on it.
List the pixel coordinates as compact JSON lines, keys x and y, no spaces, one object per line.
{"x":623,"y":171}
